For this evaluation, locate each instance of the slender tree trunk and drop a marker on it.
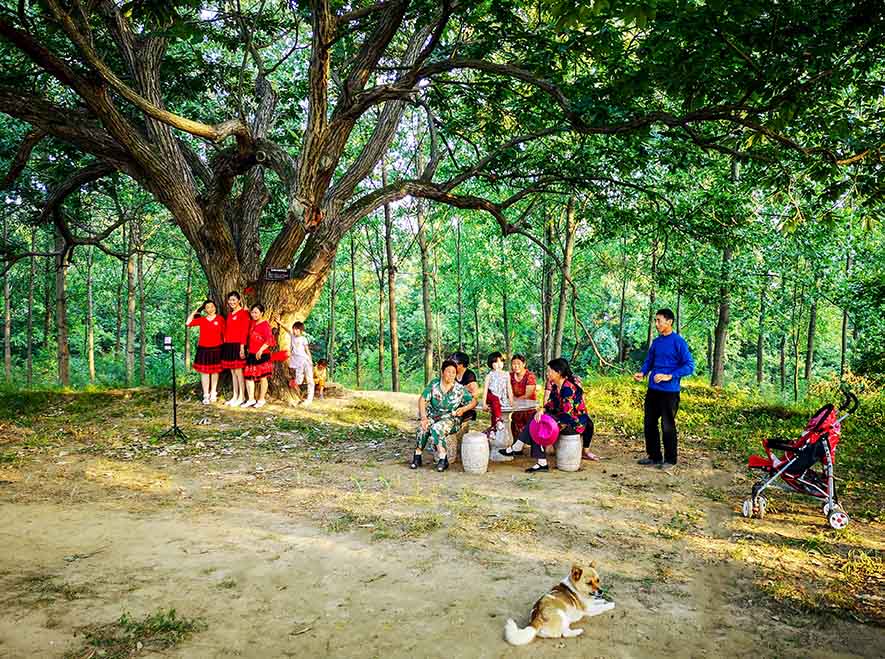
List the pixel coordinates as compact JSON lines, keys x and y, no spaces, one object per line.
{"x":782,"y":371}
{"x":809,"y":348}
{"x":118,"y":335}
{"x":507,"y":346}
{"x":330,"y":342}
{"x":843,"y":352}
{"x":622,"y":348}
{"x":436,"y":306}
{"x":47,"y":296}
{"x":188,"y":291}
{"x":679,"y":309}
{"x":547,"y":287}
{"x":90,"y":318}
{"x":424,"y":247}
{"x":32,"y":276}
{"x":476,"y":326}
{"x":142,"y":324}
{"x":380,"y":333}
{"x":760,"y":336}
{"x":721,"y":332}
{"x":391,"y":289}
{"x":795,"y":332}
{"x":356,"y":309}
{"x":458,"y":281}
{"x":652,"y":294}
{"x":7,"y":315}
{"x":61,"y":315}
{"x":570,"y":231}
{"x":710,"y":350}
{"x":130,"y":310}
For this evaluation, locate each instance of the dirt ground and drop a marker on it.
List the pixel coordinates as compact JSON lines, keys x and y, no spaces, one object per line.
{"x":302,"y":533}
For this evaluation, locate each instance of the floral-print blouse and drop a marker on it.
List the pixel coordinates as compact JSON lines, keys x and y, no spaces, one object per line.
{"x":565,"y":403}
{"x":441,"y":403}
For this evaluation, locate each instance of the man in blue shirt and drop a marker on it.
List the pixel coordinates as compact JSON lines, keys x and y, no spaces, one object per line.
{"x":668,"y":361}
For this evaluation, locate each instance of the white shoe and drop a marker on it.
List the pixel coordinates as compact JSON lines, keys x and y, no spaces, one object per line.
{"x":248,"y":403}
{"x":213,"y":398}
{"x":261,"y":403}
{"x":205,"y":400}
{"x":234,"y":402}
{"x":229,"y":402}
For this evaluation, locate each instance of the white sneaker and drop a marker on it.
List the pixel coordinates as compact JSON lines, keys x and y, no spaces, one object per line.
{"x":213,"y":398}
{"x":229,"y":402}
{"x":261,"y":403}
{"x":205,"y":400}
{"x":234,"y":402}
{"x":248,"y":403}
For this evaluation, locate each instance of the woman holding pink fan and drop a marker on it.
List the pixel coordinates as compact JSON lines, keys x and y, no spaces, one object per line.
{"x":564,"y":413}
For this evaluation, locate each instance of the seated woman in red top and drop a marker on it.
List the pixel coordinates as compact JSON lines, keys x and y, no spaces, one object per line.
{"x":208,"y":360}
{"x":523,"y":383}
{"x":258,"y":364}
{"x":233,"y":352}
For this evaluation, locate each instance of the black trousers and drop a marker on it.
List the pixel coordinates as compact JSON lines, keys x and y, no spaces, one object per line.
{"x":661,"y":405}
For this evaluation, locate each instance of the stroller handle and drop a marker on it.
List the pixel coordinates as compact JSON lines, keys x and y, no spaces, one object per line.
{"x":849,"y":402}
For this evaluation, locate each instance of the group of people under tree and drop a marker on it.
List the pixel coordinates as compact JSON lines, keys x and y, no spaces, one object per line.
{"x":450,"y":400}
{"x":243,"y":343}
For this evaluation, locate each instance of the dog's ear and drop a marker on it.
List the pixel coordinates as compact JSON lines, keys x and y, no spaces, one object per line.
{"x":576,"y":573}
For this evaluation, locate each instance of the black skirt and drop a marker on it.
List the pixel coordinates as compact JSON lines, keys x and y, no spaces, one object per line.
{"x":257,"y":367}
{"x":230,"y":356}
{"x":208,"y":360}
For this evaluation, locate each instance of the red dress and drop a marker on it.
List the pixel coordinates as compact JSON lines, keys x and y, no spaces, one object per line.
{"x":236,"y":334}
{"x":519,"y":420}
{"x":208,"y":357}
{"x":258,"y":368}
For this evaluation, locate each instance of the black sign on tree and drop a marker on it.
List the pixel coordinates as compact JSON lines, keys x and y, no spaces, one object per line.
{"x":277,"y":274}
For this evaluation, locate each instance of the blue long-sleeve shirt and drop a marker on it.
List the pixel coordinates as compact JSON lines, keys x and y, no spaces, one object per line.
{"x":669,"y":355}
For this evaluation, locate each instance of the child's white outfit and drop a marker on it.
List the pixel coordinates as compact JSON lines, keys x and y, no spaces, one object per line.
{"x":497,"y":393}
{"x":301,"y":364}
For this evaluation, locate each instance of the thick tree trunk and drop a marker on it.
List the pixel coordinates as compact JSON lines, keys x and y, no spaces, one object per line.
{"x":391,"y":289}
{"x":32,"y":276}
{"x":7,"y":315}
{"x":652,"y":294}
{"x":61,"y":315}
{"x":188,"y":291}
{"x":571,"y":226}
{"x":130,"y":310}
{"x":356,"y":310}
{"x":760,"y":336}
{"x":809,"y":349}
{"x":330,"y":340}
{"x":424,"y":247}
{"x":721,"y":333}
{"x":90,"y":319}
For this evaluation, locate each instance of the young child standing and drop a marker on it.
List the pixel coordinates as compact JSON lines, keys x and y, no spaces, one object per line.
{"x":320,"y":374}
{"x":497,"y":389}
{"x":208,"y":360}
{"x":300,"y":359}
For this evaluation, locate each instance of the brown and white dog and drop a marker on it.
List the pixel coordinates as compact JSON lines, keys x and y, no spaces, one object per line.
{"x":567,"y":602}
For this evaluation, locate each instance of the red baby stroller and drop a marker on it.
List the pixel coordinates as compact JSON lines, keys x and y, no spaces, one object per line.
{"x":817,"y":443}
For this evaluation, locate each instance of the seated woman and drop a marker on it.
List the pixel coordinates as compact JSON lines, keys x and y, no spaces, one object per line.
{"x":441,"y":408}
{"x":523,"y":383}
{"x":565,"y":403}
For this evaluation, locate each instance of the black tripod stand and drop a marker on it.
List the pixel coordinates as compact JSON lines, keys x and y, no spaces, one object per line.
{"x":174,"y":432}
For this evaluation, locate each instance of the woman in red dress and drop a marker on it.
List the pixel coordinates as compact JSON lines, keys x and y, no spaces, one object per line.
{"x":233,"y":352}
{"x":208,"y":360}
{"x":258,"y":364}
{"x":524,"y":384}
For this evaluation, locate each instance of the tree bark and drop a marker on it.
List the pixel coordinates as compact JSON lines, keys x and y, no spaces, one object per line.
{"x":391,"y":289}
{"x":188,"y":290}
{"x":721,"y":333}
{"x":782,"y":370}
{"x":760,"y":336}
{"x":424,"y":248}
{"x":32,"y":276}
{"x":142,"y":323}
{"x":622,"y":348}
{"x":356,"y":309}
{"x":809,"y":348}
{"x":47,"y":296}
{"x":90,"y":319}
{"x":330,"y":340}
{"x":547,"y":288}
{"x":130,"y":309}
{"x":61,"y":315}
{"x":7,"y":314}
{"x":118,"y":334}
{"x":571,"y":227}
{"x":710,"y":350}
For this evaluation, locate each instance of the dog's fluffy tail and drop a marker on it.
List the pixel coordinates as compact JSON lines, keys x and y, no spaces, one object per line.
{"x":517,"y":636}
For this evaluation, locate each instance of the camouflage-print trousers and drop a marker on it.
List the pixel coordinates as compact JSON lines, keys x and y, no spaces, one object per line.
{"x":437,"y":432}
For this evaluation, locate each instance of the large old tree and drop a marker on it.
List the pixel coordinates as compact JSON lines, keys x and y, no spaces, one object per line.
{"x":249,"y":115}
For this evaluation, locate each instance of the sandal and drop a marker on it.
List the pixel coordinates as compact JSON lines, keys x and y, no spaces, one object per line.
{"x":509,"y":453}
{"x":589,"y":455}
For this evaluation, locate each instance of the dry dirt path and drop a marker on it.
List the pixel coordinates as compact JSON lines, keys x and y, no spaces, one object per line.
{"x":298,"y":555}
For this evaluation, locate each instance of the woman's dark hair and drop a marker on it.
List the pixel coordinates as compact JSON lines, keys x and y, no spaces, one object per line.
{"x":322,"y":362}
{"x":258,"y":306}
{"x":519,"y":357}
{"x":495,"y":356}
{"x":459,"y":358}
{"x":561,"y":366}
{"x":235,"y":294}
{"x":298,"y":325}
{"x":665,"y":313}
{"x":446,"y":364}
{"x":205,"y":302}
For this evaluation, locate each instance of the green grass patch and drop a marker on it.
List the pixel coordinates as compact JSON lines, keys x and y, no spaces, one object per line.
{"x":128,"y":637}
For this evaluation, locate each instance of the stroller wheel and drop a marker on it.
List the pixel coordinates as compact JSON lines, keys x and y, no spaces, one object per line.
{"x":838,"y":519}
{"x":826,"y":509}
{"x":747,"y":508}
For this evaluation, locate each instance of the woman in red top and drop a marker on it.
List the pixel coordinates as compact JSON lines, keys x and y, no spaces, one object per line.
{"x":524,"y":384}
{"x":233,"y":352}
{"x":258,"y":364}
{"x":208,"y":360}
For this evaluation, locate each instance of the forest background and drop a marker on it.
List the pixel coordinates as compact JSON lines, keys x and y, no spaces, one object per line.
{"x":581,"y":165}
